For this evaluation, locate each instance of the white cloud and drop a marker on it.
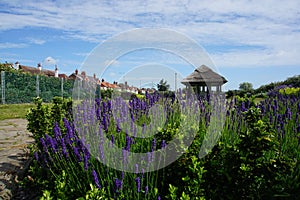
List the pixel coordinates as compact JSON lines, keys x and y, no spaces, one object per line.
{"x":36,"y":41}
{"x":50,"y":61}
{"x":271,"y":24}
{"x":82,"y":54}
{"x":8,"y":45}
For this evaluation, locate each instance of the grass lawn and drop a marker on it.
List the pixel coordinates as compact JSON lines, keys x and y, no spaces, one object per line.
{"x":258,"y":100}
{"x":12,"y":111}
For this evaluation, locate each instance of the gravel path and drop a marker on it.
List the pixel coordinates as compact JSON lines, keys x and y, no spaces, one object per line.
{"x":14,"y":139}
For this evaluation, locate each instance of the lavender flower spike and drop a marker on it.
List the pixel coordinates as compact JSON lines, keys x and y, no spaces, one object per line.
{"x":138,"y":184}
{"x":94,"y":173}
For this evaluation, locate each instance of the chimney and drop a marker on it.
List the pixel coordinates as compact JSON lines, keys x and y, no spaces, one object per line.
{"x":17,"y":65}
{"x":56,"y":71}
{"x":39,"y":66}
{"x":94,"y":76}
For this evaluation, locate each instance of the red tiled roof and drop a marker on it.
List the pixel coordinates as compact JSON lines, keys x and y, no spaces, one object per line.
{"x":63,"y":76}
{"x":34,"y":70}
{"x":108,"y":85}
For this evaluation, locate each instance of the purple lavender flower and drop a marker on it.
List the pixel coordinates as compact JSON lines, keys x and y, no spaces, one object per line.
{"x":227,"y":113}
{"x":57,"y":131}
{"x":269,"y":108}
{"x":263,"y":109}
{"x":125,"y":156}
{"x":53,"y":144}
{"x":128,"y":142}
{"x":146,"y":189}
{"x":86,"y":151}
{"x":136,"y":168}
{"x":70,"y":132}
{"x":271,"y":118}
{"x":64,"y":148}
{"x":101,"y":150}
{"x":104,"y":108}
{"x":77,"y":154}
{"x":113,"y":139}
{"x":85,"y":162}
{"x":288,"y":113}
{"x":118,"y":126}
{"x":138,"y":184}
{"x":153,"y":144}
{"x":96,"y":180}
{"x":44,"y":145}
{"x":36,"y":155}
{"x":275,"y":103}
{"x":143,"y":173}
{"x":48,"y":139}
{"x":104,"y":122}
{"x":118,"y":184}
{"x":243,"y":108}
{"x":163,"y":144}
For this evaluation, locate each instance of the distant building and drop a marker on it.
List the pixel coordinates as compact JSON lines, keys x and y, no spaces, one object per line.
{"x":204,"y":79}
{"x":122,"y":87}
{"x":39,"y":70}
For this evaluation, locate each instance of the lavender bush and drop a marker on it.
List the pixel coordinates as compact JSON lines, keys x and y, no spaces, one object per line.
{"x":72,"y":157}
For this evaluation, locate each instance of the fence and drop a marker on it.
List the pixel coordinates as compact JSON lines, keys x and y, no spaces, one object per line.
{"x":24,"y":87}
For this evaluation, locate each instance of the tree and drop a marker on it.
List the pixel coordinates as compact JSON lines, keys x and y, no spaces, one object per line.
{"x":246,"y":86}
{"x":163,"y":85}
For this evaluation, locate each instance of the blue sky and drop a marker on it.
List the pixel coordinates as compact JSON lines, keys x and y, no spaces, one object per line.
{"x":253,"y":41}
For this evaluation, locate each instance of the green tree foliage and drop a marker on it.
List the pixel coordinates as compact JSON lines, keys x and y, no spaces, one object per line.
{"x":163,"y":85}
{"x":291,"y":81}
{"x":21,"y":87}
{"x":7,"y":67}
{"x":246,"y":86}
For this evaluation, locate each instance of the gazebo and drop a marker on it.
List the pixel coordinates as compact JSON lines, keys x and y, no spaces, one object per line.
{"x":203,"y":79}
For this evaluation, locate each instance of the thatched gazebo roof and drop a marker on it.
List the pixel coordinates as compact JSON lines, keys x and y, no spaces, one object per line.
{"x":203,"y":76}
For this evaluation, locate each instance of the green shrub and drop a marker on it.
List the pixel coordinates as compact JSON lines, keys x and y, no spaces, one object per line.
{"x":42,"y":118}
{"x":250,"y":168}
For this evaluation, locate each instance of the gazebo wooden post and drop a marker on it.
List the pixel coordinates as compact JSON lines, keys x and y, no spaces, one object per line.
{"x":209,"y":87}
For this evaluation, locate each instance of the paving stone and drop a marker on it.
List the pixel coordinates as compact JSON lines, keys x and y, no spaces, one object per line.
{"x":14,"y":139}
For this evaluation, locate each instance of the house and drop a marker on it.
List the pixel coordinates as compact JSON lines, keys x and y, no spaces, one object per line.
{"x":106,"y":85}
{"x":8,"y":65}
{"x":39,"y":71}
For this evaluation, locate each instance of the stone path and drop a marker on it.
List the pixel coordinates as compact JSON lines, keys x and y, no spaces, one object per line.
{"x":14,"y":157}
